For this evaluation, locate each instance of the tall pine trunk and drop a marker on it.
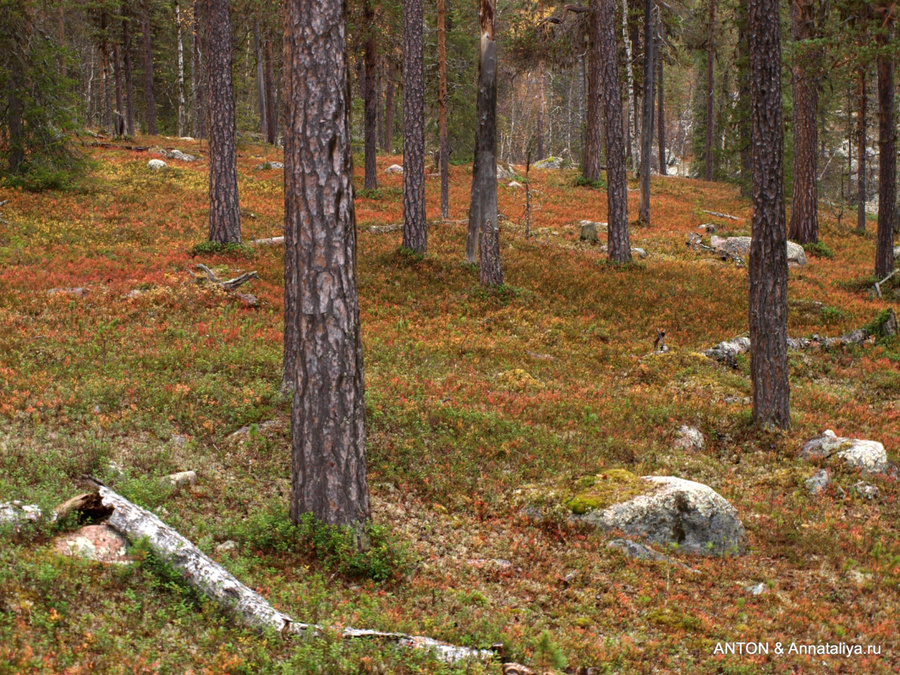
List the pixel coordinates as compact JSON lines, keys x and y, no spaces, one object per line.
{"x":804,"y":206}
{"x":387,"y":143}
{"x":271,"y":105}
{"x":861,"y":151}
{"x":616,"y":180}
{"x":708,"y":153}
{"x":415,"y":234}
{"x":768,"y":248}
{"x":328,"y":465}
{"x":261,"y":102}
{"x":887,"y":146}
{"x":129,"y":68}
{"x":593,"y":133}
{"x":661,"y":119}
{"x":442,"y":110}
{"x":647,"y":123}
{"x":149,"y":96}
{"x":744,"y":123}
{"x":371,"y":103}
{"x":224,"y":215}
{"x":629,"y":74}
{"x":182,"y":104}
{"x":198,"y":76}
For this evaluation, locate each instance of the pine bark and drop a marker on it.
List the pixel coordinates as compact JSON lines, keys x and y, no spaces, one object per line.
{"x":661,"y":119}
{"x":540,"y":110}
{"x":415,"y":234}
{"x":387,"y":143}
{"x":271,"y":103}
{"x":442,"y":110}
{"x":744,"y":124}
{"x":198,"y":76}
{"x":861,"y":151}
{"x":149,"y":96}
{"x":182,"y":105}
{"x":328,"y":467}
{"x":629,"y":74}
{"x":224,"y":215}
{"x":129,"y":68}
{"x":593,"y":133}
{"x":261,"y":103}
{"x":887,"y":146}
{"x":804,"y":207}
{"x":708,"y":154}
{"x":371,"y":103}
{"x":647,"y":123}
{"x":616,"y":181}
{"x":120,"y":94}
{"x":768,"y":249}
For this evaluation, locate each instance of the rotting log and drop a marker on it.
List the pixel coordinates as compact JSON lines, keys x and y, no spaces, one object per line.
{"x":228,"y":285}
{"x":271,"y":241}
{"x":249,"y":607}
{"x":720,"y":215}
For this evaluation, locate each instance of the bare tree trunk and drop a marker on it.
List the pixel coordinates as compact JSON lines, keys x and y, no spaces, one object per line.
{"x":106,"y":118}
{"x":260,"y":81}
{"x":371,"y":103}
{"x":61,"y":29}
{"x":415,"y":234}
{"x":442,"y":110}
{"x":198,"y":77}
{"x":149,"y":97}
{"x":129,"y":69}
{"x":887,"y":153}
{"x":629,"y":73}
{"x":805,"y":207}
{"x":388,"y":143}
{"x":272,"y":106}
{"x":182,"y":106}
{"x":328,"y":467}
{"x":768,"y":249}
{"x":709,"y":156}
{"x":647,"y":123}
{"x":120,"y":99}
{"x":484,"y":180}
{"x":861,"y":152}
{"x":593,"y":133}
{"x":744,"y":123}
{"x":224,"y":215}
{"x":661,"y":120}
{"x":616,"y":181}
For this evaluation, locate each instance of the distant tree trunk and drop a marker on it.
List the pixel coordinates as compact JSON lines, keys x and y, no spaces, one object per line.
{"x":129,"y":69}
{"x":616,"y":181}
{"x":271,"y":107}
{"x":593,"y":133}
{"x":415,"y":234}
{"x":484,"y":178}
{"x":388,"y":142}
{"x":260,"y":81}
{"x":149,"y":97}
{"x":805,"y":208}
{"x":768,"y":250}
{"x":629,"y":73}
{"x":442,"y":110}
{"x":661,"y":120}
{"x":61,"y":29}
{"x":708,"y":156}
{"x":371,"y":59}
{"x":16,"y":117}
{"x":744,"y":124}
{"x":861,"y":152}
{"x":198,"y":77}
{"x":540,"y":110}
{"x":328,"y":467}
{"x":224,"y":215}
{"x":647,"y":123}
{"x":106,"y":117}
{"x":182,"y":105}
{"x":887,"y":153}
{"x":120,"y":98}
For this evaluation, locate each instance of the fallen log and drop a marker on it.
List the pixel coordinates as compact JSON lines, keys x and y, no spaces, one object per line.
{"x":230,"y":284}
{"x":720,"y":215}
{"x":877,"y":283}
{"x":249,"y":607}
{"x":266,"y":242}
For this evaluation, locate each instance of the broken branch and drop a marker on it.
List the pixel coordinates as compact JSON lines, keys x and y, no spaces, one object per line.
{"x":720,"y":215}
{"x":230,"y":284}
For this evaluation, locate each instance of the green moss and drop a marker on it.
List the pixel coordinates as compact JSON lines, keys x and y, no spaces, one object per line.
{"x":611,"y":487}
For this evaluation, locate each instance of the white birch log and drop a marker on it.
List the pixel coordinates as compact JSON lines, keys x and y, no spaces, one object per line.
{"x":214,"y":581}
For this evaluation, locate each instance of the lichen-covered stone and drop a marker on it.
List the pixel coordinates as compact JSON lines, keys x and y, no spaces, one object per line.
{"x":689,"y":439}
{"x":855,"y":453}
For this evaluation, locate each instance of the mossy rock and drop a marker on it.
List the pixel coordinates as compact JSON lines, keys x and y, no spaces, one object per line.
{"x":608,"y":488}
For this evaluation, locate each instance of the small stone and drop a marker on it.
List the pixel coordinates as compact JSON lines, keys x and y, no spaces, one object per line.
{"x":514,"y":184}
{"x":708,"y":228}
{"x":182,"y":479}
{"x":136,"y":293}
{"x":632,"y":549}
{"x":248,"y":299}
{"x":689,"y":439}
{"x":179,"y":439}
{"x":394,"y":168}
{"x":95,"y":542}
{"x":866,"y":490}
{"x":819,"y":481}
{"x":79,"y":291}
{"x":180,"y":156}
{"x":156,"y":164}
{"x":757,"y":589}
{"x":588,"y":231}
{"x":226,"y":546}
{"x":113,"y":470}
{"x":639,"y":252}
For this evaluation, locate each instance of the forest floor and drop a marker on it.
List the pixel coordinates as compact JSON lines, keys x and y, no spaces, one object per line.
{"x":470,"y":395}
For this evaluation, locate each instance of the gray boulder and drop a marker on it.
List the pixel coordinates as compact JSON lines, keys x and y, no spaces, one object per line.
{"x":674,"y":511}
{"x":689,"y":439}
{"x":394,"y":168}
{"x":549,"y":163}
{"x":156,"y":164}
{"x":855,"y":453}
{"x":588,"y":231}
{"x":505,"y":172}
{"x":15,"y":513}
{"x":819,"y":481}
{"x":740,"y":246}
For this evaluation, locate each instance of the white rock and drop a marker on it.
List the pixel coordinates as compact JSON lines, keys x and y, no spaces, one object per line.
{"x":226,"y":546}
{"x":855,"y":453}
{"x":689,"y":439}
{"x":156,"y":164}
{"x":741,"y":246}
{"x":394,"y":168}
{"x":866,"y":490}
{"x":758,"y":589}
{"x":182,"y":479}
{"x":639,"y":252}
{"x":548,"y":163}
{"x":819,"y":481}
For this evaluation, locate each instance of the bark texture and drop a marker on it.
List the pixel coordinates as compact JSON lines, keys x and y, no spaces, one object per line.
{"x":862,"y":105}
{"x":387,"y":143}
{"x":224,"y":215}
{"x":483,"y":206}
{"x":371,"y":103}
{"x":260,"y":81}
{"x":804,"y":206}
{"x":887,"y":147}
{"x":616,"y":180}
{"x":768,"y":248}
{"x":328,"y":468}
{"x":129,"y":68}
{"x":149,"y":96}
{"x":198,"y":76}
{"x":271,"y":107}
{"x":593,"y":133}
{"x":661,"y":118}
{"x":415,"y":234}
{"x":647,"y":123}
{"x":444,"y":159}
{"x":708,"y":154}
